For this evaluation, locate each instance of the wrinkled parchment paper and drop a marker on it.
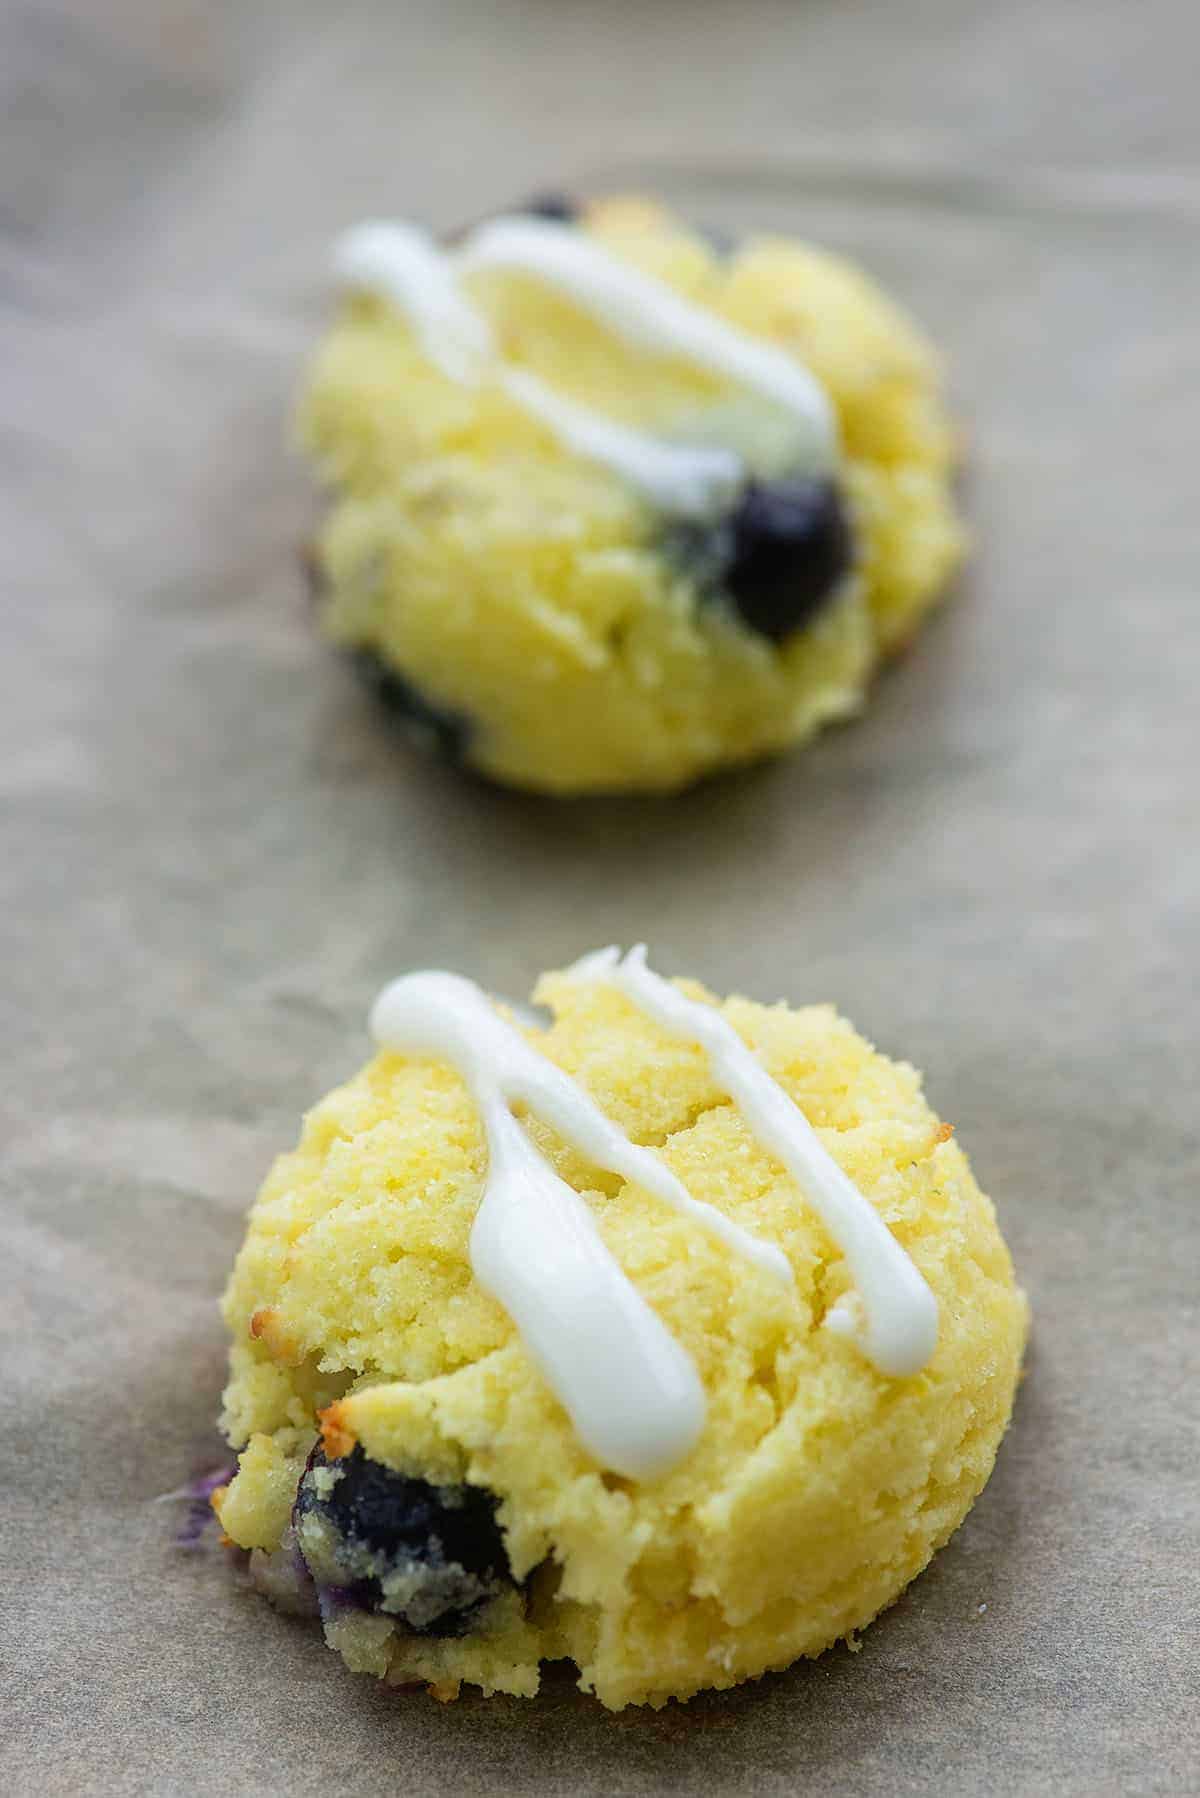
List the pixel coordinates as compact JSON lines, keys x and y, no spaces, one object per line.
{"x":215,"y":851}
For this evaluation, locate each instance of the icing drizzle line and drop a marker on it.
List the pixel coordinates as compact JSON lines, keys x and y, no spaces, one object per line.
{"x":651,"y":315}
{"x":420,"y":280}
{"x":630,"y":1389}
{"x":892,"y":1312}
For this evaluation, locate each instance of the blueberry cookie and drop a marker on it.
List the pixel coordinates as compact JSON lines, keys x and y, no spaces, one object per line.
{"x":668,"y":1336}
{"x":610,"y":508}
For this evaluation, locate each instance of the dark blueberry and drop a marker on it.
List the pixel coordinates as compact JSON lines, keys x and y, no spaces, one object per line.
{"x":720,"y":242}
{"x":390,"y":1512}
{"x":432,"y":724}
{"x":316,"y":586}
{"x":559,"y":207}
{"x":777,"y":556}
{"x":432,"y":1556}
{"x":790,"y":547}
{"x":556,"y":206}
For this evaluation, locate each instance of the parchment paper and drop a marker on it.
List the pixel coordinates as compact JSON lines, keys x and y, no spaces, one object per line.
{"x":215,"y":851}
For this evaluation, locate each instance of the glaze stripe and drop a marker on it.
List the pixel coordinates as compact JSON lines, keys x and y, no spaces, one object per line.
{"x":652,"y":316}
{"x":631,"y":1391}
{"x":893,"y":1313}
{"x":421,"y":281}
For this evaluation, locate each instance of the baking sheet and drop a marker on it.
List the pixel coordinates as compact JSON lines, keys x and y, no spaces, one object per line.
{"x":215,"y":851}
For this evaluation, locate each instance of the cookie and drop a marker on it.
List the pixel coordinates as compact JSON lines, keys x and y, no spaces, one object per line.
{"x":671,"y":1337}
{"x":623,"y":507}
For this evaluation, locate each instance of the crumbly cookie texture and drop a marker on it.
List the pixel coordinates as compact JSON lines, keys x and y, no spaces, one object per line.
{"x":391,"y":1422}
{"x":539,"y":616}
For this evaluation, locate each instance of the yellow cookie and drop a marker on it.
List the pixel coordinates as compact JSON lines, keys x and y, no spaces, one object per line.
{"x":672,"y":1337}
{"x":610,"y":509}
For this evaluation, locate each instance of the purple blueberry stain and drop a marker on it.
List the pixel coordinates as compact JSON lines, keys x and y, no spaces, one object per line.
{"x":197,"y":1494}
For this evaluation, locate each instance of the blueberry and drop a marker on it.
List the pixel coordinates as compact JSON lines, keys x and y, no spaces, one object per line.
{"x":433,"y":725}
{"x":721,"y":242}
{"x":559,"y":207}
{"x":777,"y":556}
{"x":432,"y":1556}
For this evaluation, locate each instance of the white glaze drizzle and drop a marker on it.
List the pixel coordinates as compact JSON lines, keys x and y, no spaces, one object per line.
{"x":892,"y":1312}
{"x":652,"y":316}
{"x":631,"y":1391}
{"x":419,"y":279}
{"x":690,"y":481}
{"x":406,"y":265}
